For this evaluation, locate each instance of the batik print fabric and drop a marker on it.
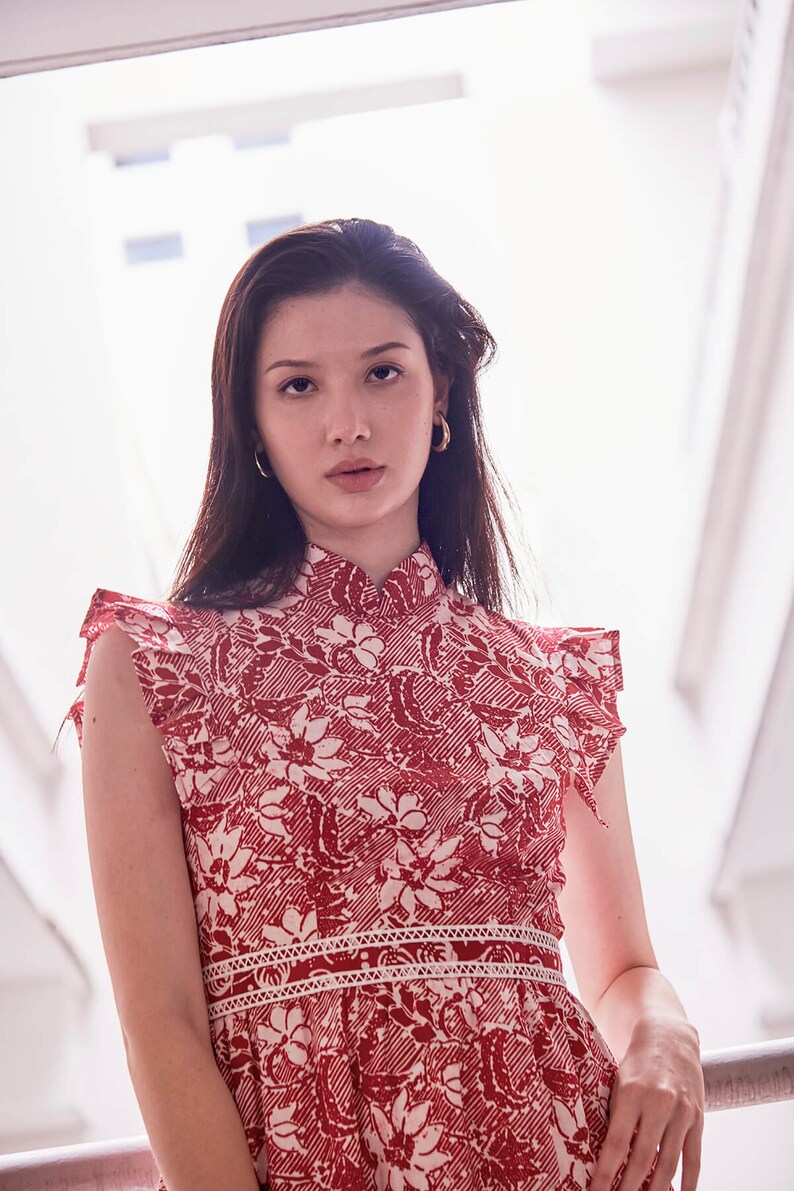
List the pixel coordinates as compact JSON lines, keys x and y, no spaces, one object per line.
{"x":371,"y":788}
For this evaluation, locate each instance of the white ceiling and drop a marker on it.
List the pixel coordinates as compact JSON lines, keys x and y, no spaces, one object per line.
{"x":627,"y":36}
{"x":48,"y":34}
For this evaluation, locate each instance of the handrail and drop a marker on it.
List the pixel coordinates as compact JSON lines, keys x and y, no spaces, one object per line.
{"x":736,"y":1077}
{"x":740,"y":1076}
{"x":120,"y":1164}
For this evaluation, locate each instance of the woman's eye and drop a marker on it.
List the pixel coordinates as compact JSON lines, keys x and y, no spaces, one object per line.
{"x":378,"y":367}
{"x":297,"y":379}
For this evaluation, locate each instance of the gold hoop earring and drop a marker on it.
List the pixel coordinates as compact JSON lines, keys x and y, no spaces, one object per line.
{"x":445,"y":435}
{"x":266,"y":474}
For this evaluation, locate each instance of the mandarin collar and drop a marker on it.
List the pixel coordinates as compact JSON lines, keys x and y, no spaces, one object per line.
{"x":333,"y":579}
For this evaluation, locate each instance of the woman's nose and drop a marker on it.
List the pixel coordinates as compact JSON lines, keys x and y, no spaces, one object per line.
{"x":347,"y":417}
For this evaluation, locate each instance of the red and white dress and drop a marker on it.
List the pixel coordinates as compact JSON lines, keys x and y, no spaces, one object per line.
{"x":371,"y":788}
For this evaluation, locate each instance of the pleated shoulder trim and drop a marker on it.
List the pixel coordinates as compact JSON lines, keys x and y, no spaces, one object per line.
{"x":588,"y":662}
{"x":168,"y":672}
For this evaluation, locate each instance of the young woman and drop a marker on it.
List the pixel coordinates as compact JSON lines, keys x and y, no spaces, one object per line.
{"x":339,"y":804}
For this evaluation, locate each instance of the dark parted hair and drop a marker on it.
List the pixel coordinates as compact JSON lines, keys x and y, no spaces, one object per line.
{"x":247,"y":528}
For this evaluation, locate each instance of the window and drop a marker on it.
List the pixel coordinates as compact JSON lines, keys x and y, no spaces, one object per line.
{"x":260,"y":230}
{"x":143,"y":157}
{"x":153,"y":248}
{"x":261,"y":140}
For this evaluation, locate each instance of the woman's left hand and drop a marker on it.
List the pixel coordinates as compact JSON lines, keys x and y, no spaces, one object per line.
{"x":659,"y":1093}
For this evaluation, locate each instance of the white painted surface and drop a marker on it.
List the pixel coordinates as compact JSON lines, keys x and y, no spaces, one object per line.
{"x":52,"y":34}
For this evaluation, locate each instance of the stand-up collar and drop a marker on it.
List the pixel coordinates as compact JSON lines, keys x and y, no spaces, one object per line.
{"x":334,"y":579}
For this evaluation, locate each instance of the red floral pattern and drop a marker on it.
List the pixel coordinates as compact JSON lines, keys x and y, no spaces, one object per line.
{"x":371,"y":787}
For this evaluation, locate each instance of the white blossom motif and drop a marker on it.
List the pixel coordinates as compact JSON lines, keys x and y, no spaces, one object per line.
{"x":490,"y":831}
{"x":303,"y":750}
{"x":223,"y":862}
{"x":405,"y":811}
{"x":359,"y":639}
{"x":451,"y":1084}
{"x":270,"y":812}
{"x":420,"y":873}
{"x":358,"y":712}
{"x":283,"y":1130}
{"x":512,"y":757}
{"x":405,"y":1145}
{"x":589,"y":664}
{"x":202,"y":765}
{"x":288,"y":1031}
{"x":295,"y":927}
{"x":460,"y":994}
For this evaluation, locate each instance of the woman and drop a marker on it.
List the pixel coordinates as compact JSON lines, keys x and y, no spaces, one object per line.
{"x":333,"y":793}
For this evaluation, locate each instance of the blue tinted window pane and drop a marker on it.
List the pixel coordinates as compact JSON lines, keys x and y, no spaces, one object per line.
{"x":261,"y":140}
{"x":153,"y":248}
{"x":144,"y":157}
{"x":260,"y":230}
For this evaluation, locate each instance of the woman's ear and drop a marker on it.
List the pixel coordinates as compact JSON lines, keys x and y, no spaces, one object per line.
{"x":442,"y":386}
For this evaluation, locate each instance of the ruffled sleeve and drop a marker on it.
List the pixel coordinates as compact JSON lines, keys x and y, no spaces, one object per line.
{"x":589,"y":668}
{"x":168,"y":672}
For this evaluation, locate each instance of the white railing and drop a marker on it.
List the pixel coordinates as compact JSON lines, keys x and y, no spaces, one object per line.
{"x":741,"y":1076}
{"x":123,"y":1165}
{"x":738,"y":1077}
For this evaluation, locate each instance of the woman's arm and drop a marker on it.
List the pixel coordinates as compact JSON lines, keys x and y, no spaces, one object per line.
{"x":147,"y":921}
{"x":660,"y":1081}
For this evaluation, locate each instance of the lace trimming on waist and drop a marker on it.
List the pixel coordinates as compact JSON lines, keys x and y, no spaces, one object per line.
{"x":280,"y":972}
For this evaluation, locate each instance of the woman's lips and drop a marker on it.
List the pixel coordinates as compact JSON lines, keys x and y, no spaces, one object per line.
{"x":357,"y":481}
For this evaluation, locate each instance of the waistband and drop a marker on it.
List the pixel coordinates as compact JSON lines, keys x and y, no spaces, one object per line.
{"x":280,"y":972}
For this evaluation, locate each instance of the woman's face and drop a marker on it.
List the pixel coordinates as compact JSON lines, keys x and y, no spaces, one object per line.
{"x":338,"y":399}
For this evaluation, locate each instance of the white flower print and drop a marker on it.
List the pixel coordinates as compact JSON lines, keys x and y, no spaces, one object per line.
{"x":461,"y":612}
{"x":356,"y":708}
{"x":288,"y":1031}
{"x":295,"y":927}
{"x":420,"y":874}
{"x":426,"y":574}
{"x":490,"y":831}
{"x":573,"y":663}
{"x":303,"y":750}
{"x":405,"y":810}
{"x":270,"y":812}
{"x":222,"y":862}
{"x":360,"y":639}
{"x":202,"y":764}
{"x":283,"y":1129}
{"x":406,"y":1147}
{"x":566,"y":734}
{"x":462,"y":994}
{"x":576,"y":749}
{"x":512,"y":757}
{"x":451,"y":1084}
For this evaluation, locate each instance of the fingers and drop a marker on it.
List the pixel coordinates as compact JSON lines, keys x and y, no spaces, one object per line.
{"x":691,"y":1153}
{"x":622,"y":1124}
{"x":669,"y":1153}
{"x":641,"y":1158}
{"x":682,"y":1138}
{"x":635,"y":1144}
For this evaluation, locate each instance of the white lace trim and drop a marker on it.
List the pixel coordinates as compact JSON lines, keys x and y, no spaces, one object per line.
{"x":386,"y":972}
{"x":279,"y":953}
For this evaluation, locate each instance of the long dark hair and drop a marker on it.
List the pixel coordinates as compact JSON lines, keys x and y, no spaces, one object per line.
{"x":247,"y":527}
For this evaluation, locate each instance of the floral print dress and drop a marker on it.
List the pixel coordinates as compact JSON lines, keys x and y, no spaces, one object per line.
{"x":371,"y":789}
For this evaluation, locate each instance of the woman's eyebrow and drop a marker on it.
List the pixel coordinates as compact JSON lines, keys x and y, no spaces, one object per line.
{"x":371,"y":351}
